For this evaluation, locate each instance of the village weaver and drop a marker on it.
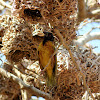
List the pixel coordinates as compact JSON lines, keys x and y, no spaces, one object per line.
{"x":47,"y":61}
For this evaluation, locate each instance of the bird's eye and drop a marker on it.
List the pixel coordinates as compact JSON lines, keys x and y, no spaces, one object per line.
{"x":37,"y":12}
{"x":49,"y":35}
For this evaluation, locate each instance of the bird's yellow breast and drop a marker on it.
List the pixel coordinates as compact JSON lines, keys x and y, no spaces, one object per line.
{"x":45,"y":52}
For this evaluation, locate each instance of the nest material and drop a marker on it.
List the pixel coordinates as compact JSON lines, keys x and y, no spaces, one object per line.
{"x":70,"y":82}
{"x":18,"y":40}
{"x":8,"y":88}
{"x":55,"y":14}
{"x":1,"y":35}
{"x":68,"y":88}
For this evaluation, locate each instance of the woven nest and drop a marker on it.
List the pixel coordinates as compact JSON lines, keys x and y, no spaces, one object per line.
{"x":70,"y":82}
{"x":18,"y":40}
{"x":34,"y":17}
{"x":55,"y":14}
{"x":8,"y":91}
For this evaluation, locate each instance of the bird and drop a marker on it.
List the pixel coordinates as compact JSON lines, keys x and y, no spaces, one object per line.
{"x":46,"y":50}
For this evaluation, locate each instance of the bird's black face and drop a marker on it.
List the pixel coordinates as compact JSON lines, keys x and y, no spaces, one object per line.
{"x":48,"y":37}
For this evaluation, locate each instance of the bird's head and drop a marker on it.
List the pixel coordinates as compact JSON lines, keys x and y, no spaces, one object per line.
{"x":48,"y":37}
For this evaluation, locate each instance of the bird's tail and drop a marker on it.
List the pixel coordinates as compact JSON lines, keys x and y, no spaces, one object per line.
{"x":51,"y":81}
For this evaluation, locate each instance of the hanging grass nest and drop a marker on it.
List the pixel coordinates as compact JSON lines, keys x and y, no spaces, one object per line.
{"x":31,"y":18}
{"x":54,"y":14}
{"x":69,"y":80}
{"x":18,"y":40}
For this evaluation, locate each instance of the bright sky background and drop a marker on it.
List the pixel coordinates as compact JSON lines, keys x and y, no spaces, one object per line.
{"x":86,"y":29}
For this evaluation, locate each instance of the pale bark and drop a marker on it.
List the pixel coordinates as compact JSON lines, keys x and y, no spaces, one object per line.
{"x":29,"y":88}
{"x":86,"y":38}
{"x":81,"y":10}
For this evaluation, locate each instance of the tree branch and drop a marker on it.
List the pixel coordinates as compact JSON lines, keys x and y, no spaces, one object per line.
{"x":32,"y":89}
{"x":93,"y":13}
{"x":74,"y":62}
{"x":5,"y":4}
{"x":81,"y":10}
{"x":87,"y":21}
{"x":86,"y":38}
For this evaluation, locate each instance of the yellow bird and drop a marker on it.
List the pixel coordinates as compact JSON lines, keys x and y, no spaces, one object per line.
{"x":46,"y":50}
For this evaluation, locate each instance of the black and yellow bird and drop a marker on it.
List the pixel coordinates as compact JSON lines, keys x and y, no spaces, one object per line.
{"x":46,"y":50}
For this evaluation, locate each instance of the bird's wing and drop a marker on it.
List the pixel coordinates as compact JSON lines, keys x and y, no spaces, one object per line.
{"x":39,"y":57}
{"x":54,"y":62}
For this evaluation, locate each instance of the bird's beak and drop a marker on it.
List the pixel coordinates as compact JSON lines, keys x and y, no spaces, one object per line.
{"x":40,"y":34}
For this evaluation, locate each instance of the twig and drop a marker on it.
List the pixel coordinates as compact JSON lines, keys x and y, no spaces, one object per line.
{"x":74,"y":62}
{"x":81,"y":10}
{"x":93,"y":13}
{"x":91,"y":30}
{"x":23,"y":77}
{"x":31,"y":89}
{"x":86,"y":21}
{"x":23,"y":71}
{"x":1,"y":60}
{"x":29,"y":69}
{"x":5,"y":4}
{"x":86,"y":38}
